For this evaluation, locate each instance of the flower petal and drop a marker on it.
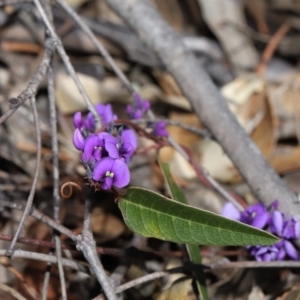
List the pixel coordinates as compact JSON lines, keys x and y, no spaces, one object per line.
{"x":89,"y":122}
{"x":260,"y":220}
{"x":78,"y":139}
{"x":91,"y":142}
{"x":126,"y":150}
{"x":77,"y":120}
{"x":101,"y":167}
{"x":257,"y":208}
{"x":159,"y":129}
{"x":129,"y":136}
{"x":112,"y":150}
{"x":290,"y":250}
{"x":281,"y":254}
{"x":231,"y":212}
{"x":100,"y":108}
{"x":277,"y":222}
{"x":107,"y":184}
{"x":121,"y":173}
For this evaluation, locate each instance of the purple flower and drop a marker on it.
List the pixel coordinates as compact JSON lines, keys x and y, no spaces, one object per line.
{"x":77,"y":120}
{"x":268,"y":253}
{"x":129,"y":136}
{"x":231,"y":212}
{"x":290,"y":250}
{"x":90,"y":122}
{"x":138,"y":108}
{"x":160,"y":129}
{"x":78,"y":139}
{"x":291,"y":229}
{"x":256,"y":215}
{"x":277,"y":221}
{"x":112,"y":172}
{"x":106,"y":113}
{"x":94,"y":148}
{"x":118,"y":149}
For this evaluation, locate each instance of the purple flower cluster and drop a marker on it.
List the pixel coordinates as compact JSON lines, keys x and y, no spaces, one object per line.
{"x":272,"y":220}
{"x":105,"y":154}
{"x":139,"y":108}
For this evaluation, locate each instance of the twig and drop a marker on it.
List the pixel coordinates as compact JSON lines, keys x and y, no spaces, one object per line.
{"x":201,"y":132}
{"x":12,"y":2}
{"x":271,"y":47}
{"x":207,"y":102}
{"x":97,"y":43}
{"x":46,"y":279}
{"x":56,"y":198}
{"x":33,"y":187}
{"x":11,"y":291}
{"x":46,"y":258}
{"x":60,"y":49}
{"x":33,"y":84}
{"x":42,"y":217}
{"x":225,"y":264}
{"x":201,"y":173}
{"x":141,"y":280}
{"x":131,"y":252}
{"x":86,"y":244}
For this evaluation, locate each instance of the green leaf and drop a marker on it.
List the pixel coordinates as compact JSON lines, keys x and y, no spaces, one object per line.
{"x":152,"y":215}
{"x":176,"y":192}
{"x":193,"y":250}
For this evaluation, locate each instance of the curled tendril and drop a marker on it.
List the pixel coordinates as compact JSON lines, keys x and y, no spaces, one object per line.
{"x":70,"y":185}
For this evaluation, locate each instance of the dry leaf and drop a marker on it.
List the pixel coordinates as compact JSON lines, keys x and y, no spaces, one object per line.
{"x":178,"y":291}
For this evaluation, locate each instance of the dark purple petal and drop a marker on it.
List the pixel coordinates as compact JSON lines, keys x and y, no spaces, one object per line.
{"x":290,"y":250}
{"x":159,"y":129}
{"x":126,"y":150}
{"x":260,"y":220}
{"x":129,"y":111}
{"x":146,"y":105}
{"x":77,"y":120}
{"x":100,"y":108}
{"x":107,"y":183}
{"x":277,"y":221}
{"x":266,"y":253}
{"x":137,"y":99}
{"x":101,"y":167}
{"x":129,"y":136}
{"x":108,"y":115}
{"x":231,"y":212}
{"x":112,"y":150}
{"x":257,"y":208}
{"x":137,"y":114}
{"x":91,"y":142}
{"x":291,"y":229}
{"x":106,"y":137}
{"x":259,"y":255}
{"x":281,"y":254}
{"x":274,"y":205}
{"x":89,"y":122}
{"x":121,"y":173}
{"x":97,"y":154}
{"x":78,"y":139}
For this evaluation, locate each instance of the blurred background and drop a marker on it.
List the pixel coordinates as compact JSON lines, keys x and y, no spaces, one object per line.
{"x":251,"y":51}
